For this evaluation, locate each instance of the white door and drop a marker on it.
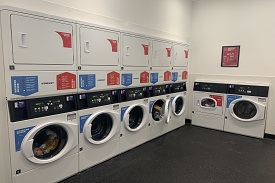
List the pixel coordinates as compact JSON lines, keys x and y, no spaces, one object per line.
{"x":178,"y":105}
{"x":38,"y":41}
{"x":135,"y":51}
{"x":101,"y":127}
{"x":181,"y":54}
{"x":49,"y":142}
{"x":210,"y":103}
{"x":161,"y":53}
{"x":98,"y":47}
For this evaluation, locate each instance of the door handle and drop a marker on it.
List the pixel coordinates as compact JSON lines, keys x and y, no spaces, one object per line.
{"x":87,"y":46}
{"x":22,"y":39}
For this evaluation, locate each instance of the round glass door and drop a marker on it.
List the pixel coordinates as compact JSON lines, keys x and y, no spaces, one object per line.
{"x":158,"y":110}
{"x":179,"y":105}
{"x":135,"y":117}
{"x":245,"y":109}
{"x":49,"y":141}
{"x":101,"y":127}
{"x":208,"y":102}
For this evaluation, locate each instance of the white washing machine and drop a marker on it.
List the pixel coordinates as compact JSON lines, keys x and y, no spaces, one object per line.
{"x":159,"y":110}
{"x":98,"y":57}
{"x":135,"y":56}
{"x":246,"y":109}
{"x":99,"y":116}
{"x":134,"y":117}
{"x":43,"y":136}
{"x":39,"y":53}
{"x":177,"y":105}
{"x":209,"y":104}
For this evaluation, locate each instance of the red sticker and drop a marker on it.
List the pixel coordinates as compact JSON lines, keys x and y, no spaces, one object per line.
{"x":167,"y":76}
{"x":186,"y":53}
{"x":113,"y":78}
{"x":168,"y":52}
{"x":113,"y":44}
{"x":146,"y":49}
{"x":66,"y":38}
{"x":144,"y":77}
{"x":66,"y":81}
{"x":184,"y":75}
{"x":218,"y":99}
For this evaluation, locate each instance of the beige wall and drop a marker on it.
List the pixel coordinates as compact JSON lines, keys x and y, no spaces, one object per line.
{"x":248,"y":23}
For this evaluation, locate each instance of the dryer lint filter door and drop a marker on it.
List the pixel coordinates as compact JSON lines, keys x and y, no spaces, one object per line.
{"x":99,"y":47}
{"x":38,"y":41}
{"x":135,"y":51}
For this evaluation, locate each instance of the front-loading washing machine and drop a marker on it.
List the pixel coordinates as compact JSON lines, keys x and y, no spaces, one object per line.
{"x":209,"y":105}
{"x":99,"y":116}
{"x":246,"y":109}
{"x":159,"y":110}
{"x":134,"y":117}
{"x":178,"y":105}
{"x":43,"y":136}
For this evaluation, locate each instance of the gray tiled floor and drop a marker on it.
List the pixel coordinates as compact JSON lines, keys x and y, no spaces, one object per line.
{"x":189,"y":154}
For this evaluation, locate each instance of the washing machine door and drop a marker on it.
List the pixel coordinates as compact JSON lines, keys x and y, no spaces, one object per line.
{"x":49,"y":142}
{"x":178,"y":105}
{"x":136,"y":116}
{"x":161,"y":111}
{"x":101,"y":127}
{"x":246,"y":110}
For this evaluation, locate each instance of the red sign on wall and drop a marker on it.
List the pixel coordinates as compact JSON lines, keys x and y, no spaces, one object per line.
{"x":184,"y":75}
{"x":144,"y":77}
{"x":146,"y":49}
{"x":230,"y":56}
{"x":65,"y":81}
{"x":113,"y":78}
{"x":66,"y":38}
{"x":218,"y":99}
{"x":167,"y":76}
{"x":113,"y":44}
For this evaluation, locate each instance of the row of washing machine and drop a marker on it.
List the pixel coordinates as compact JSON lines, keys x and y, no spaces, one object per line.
{"x":52,"y":138}
{"x":232,"y":107}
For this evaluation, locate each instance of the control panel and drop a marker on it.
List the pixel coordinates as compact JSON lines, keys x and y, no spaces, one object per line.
{"x":250,"y":90}
{"x":210,"y":87}
{"x":178,"y":87}
{"x":94,"y":99}
{"x":159,"y":90}
{"x":39,"y":107}
{"x":133,"y":93}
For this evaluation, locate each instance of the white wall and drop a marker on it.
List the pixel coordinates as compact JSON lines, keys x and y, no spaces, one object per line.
{"x":169,"y":19}
{"x":249,"y":23}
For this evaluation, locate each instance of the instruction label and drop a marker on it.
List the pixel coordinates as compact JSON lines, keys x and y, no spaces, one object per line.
{"x":83,"y":120}
{"x":66,"y":38}
{"x":144,"y":77}
{"x":126,"y":79}
{"x":154,"y":77}
{"x":113,"y":78}
{"x":122,"y":112}
{"x":175,"y":76}
{"x":231,"y":98}
{"x":218,"y":99}
{"x":151,"y":103}
{"x":87,"y":81}
{"x":24,"y":85}
{"x":66,"y":81}
{"x":167,"y":76}
{"x":184,"y":75}
{"x":19,"y":136}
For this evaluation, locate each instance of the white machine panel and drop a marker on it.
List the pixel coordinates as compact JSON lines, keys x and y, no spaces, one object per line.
{"x":36,"y":41}
{"x":181,"y":55}
{"x":135,"y":51}
{"x":98,"y":47}
{"x":32,"y":84}
{"x":161,"y":53}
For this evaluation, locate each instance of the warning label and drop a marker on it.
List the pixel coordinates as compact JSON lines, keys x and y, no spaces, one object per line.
{"x":146,"y":49}
{"x":66,"y":81}
{"x":168,"y":52}
{"x":113,"y":78}
{"x":144,"y":77}
{"x":66,"y":38}
{"x":167,"y":76}
{"x":113,"y":44}
{"x":218,"y":99}
{"x":184,"y":75}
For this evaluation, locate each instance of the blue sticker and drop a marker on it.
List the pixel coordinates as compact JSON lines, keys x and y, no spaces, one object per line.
{"x":24,"y":85}
{"x":175,"y":76}
{"x":151,"y":106}
{"x":231,"y":98}
{"x":19,"y":136}
{"x":171,"y":99}
{"x":83,"y":120}
{"x":87,"y":81}
{"x":123,"y":110}
{"x":154,"y":77}
{"x":126,"y":79}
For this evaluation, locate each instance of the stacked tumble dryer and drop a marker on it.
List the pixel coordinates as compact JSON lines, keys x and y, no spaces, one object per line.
{"x":40,"y":86}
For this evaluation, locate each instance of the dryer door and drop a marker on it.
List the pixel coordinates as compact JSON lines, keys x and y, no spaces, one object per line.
{"x":101,"y":127}
{"x":246,"y":110}
{"x":49,"y":142}
{"x":136,"y":117}
{"x":178,"y":105}
{"x":160,"y":111}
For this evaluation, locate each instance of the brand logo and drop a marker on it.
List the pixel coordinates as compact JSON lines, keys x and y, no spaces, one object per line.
{"x":101,"y":80}
{"x":47,"y":83}
{"x":135,"y":78}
